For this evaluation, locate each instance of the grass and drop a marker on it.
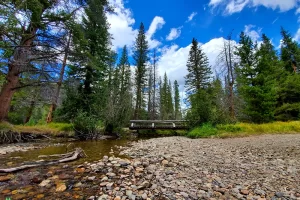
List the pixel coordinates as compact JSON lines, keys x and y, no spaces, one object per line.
{"x":244,"y":129}
{"x":55,"y":129}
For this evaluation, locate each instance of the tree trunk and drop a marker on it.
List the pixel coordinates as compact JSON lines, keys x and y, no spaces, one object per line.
{"x":59,"y":83}
{"x":16,"y":65}
{"x":8,"y":90}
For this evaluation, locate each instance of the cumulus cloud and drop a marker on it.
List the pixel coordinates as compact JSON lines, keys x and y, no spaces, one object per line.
{"x":234,"y":6}
{"x":297,"y":36}
{"x":191,"y":16}
{"x":121,"y":22}
{"x":253,"y":34}
{"x":174,"y":58}
{"x":174,"y":34}
{"x":121,"y":26}
{"x":156,"y":24}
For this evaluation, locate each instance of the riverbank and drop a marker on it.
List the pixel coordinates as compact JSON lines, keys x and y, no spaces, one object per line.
{"x":259,"y":167}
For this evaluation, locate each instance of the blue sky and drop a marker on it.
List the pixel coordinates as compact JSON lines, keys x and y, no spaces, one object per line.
{"x":171,"y":25}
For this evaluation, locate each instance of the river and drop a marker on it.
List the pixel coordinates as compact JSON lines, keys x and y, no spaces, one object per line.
{"x":94,"y":150}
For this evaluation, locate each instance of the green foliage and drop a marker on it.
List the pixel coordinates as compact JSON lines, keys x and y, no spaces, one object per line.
{"x":231,"y":128}
{"x":177,"y":113}
{"x":256,"y":78}
{"x":200,"y":111}
{"x":198,"y":69}
{"x":197,"y":83}
{"x":166,"y":100}
{"x":204,"y":131}
{"x":85,"y":126}
{"x":140,"y":57}
{"x":288,"y":107}
{"x":290,"y":52}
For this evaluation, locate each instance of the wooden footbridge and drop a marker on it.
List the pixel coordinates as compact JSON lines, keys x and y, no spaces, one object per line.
{"x":158,"y":124}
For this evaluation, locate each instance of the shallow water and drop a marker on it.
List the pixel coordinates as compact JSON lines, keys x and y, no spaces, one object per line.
{"x":95,"y":150}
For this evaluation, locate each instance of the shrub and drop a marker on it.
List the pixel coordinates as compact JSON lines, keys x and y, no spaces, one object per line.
{"x":206,"y":130}
{"x":229,"y":128}
{"x":85,"y":126}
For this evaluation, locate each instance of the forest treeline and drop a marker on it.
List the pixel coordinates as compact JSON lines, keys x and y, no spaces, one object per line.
{"x":57,"y":64}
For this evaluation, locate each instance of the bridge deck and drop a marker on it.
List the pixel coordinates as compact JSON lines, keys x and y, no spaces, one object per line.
{"x":158,"y":124}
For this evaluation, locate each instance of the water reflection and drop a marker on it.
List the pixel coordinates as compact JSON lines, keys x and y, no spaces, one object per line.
{"x":95,"y":150}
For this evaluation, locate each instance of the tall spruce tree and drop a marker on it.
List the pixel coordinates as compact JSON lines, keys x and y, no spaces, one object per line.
{"x":197,"y":82}
{"x":198,"y":69}
{"x":288,"y":106}
{"x":290,"y":52}
{"x":177,"y":114}
{"x":140,"y":56}
{"x":90,"y":60}
{"x":256,"y":78}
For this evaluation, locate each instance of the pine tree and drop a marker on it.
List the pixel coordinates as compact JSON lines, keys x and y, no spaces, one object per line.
{"x":177,"y":114}
{"x":170,"y":105}
{"x":290,"y":52}
{"x":140,"y":56}
{"x":256,"y":78}
{"x":197,"y":83}
{"x":288,"y":105}
{"x":92,"y":52}
{"x":198,"y":69}
{"x":125,"y":73}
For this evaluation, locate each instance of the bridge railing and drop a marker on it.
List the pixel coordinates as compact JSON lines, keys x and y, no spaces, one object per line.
{"x":157,"y":124}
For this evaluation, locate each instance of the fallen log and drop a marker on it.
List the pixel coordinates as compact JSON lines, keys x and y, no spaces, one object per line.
{"x":78,"y":153}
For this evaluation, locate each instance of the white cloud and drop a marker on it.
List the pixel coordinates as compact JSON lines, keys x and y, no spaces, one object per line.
{"x":156,"y":24}
{"x":174,"y":34}
{"x":121,"y":26}
{"x":215,"y":2}
{"x":121,"y":22}
{"x":174,"y":58}
{"x":191,"y":17}
{"x":298,"y":11}
{"x":253,"y":34}
{"x":282,"y":5}
{"x":234,"y":6}
{"x":297,"y":36}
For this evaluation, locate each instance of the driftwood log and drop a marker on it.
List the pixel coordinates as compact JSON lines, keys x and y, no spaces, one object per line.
{"x":78,"y":153}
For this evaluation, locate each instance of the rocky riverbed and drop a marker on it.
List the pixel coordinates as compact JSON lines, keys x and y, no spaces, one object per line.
{"x":263,"y":167}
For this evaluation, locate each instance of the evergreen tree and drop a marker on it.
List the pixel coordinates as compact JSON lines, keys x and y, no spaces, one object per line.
{"x":125,"y":73}
{"x":140,"y":56}
{"x":170,"y":105}
{"x":198,"y":69}
{"x":288,"y":106}
{"x":257,"y":84}
{"x":90,"y":58}
{"x":219,"y":108}
{"x":197,"y":83}
{"x":177,"y":114}
{"x":290,"y":52}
